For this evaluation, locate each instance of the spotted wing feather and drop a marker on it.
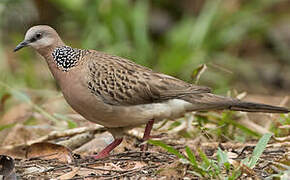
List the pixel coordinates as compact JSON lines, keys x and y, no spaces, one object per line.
{"x":119,"y":81}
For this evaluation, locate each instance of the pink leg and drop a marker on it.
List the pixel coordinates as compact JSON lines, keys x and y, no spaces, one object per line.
{"x":146,"y":135}
{"x":106,"y":152}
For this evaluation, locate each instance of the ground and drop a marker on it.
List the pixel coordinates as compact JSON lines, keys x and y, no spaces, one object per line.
{"x":67,"y":154}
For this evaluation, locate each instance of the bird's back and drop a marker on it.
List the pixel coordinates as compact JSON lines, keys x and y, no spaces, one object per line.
{"x":119,"y":81}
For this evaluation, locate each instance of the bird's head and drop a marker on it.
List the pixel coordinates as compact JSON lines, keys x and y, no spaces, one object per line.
{"x":40,"y":37}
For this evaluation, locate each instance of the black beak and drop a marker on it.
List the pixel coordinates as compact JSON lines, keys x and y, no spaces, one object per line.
{"x":21,"y":45}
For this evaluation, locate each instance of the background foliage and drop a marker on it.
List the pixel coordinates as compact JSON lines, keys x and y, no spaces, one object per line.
{"x":245,"y":44}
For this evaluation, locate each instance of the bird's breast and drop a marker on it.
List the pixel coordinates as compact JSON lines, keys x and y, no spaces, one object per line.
{"x":74,"y":88}
{"x":77,"y":94}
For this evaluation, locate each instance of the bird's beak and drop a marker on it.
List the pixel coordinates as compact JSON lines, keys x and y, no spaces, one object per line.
{"x":21,"y":45}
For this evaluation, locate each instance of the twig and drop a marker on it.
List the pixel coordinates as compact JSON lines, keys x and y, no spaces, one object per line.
{"x":132,"y":171}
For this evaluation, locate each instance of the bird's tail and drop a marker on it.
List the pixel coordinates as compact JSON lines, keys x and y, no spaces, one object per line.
{"x":256,"y":107}
{"x":208,"y":101}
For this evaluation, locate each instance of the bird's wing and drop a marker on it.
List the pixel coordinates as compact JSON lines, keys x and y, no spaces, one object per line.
{"x":118,"y":81}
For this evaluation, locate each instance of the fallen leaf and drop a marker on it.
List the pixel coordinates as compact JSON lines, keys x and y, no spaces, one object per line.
{"x":47,"y":151}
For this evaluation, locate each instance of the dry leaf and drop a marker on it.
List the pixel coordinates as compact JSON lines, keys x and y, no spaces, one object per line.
{"x":47,"y":151}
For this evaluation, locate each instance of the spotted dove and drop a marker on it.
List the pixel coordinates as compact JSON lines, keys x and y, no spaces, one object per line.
{"x":119,"y":94}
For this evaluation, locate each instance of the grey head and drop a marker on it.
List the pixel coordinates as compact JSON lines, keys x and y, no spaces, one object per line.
{"x":40,"y":37}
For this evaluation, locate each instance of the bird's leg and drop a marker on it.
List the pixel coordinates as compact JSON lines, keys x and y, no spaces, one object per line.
{"x":146,"y":135}
{"x":106,"y":152}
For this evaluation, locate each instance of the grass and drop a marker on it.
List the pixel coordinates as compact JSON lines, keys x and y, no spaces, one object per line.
{"x":221,"y":167}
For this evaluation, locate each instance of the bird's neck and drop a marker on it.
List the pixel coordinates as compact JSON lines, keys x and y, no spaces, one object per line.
{"x":61,"y":57}
{"x":66,"y":57}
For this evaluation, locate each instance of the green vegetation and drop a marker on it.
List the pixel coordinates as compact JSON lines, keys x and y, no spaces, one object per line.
{"x":216,"y":36}
{"x":220,"y":168}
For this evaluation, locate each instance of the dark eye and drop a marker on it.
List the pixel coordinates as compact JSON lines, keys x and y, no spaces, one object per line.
{"x":38,"y":35}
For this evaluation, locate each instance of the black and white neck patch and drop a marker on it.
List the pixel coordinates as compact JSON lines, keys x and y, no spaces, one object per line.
{"x":66,"y":57}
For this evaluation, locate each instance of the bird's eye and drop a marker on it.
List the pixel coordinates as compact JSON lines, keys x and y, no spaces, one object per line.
{"x":38,"y":35}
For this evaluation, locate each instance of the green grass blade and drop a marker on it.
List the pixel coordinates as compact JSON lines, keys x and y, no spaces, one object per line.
{"x":198,"y":72}
{"x":204,"y":158}
{"x":2,"y":127}
{"x":168,"y":148}
{"x":191,"y":157}
{"x":259,"y":149}
{"x":192,"y":160}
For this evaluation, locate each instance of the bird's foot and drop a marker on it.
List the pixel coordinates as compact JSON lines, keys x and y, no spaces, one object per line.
{"x":106,"y":152}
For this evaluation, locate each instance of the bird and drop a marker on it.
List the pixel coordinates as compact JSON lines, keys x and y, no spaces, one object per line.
{"x":118,"y":93}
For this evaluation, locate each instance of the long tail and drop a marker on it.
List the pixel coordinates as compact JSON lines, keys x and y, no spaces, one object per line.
{"x":257,"y":107}
{"x":208,"y":101}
